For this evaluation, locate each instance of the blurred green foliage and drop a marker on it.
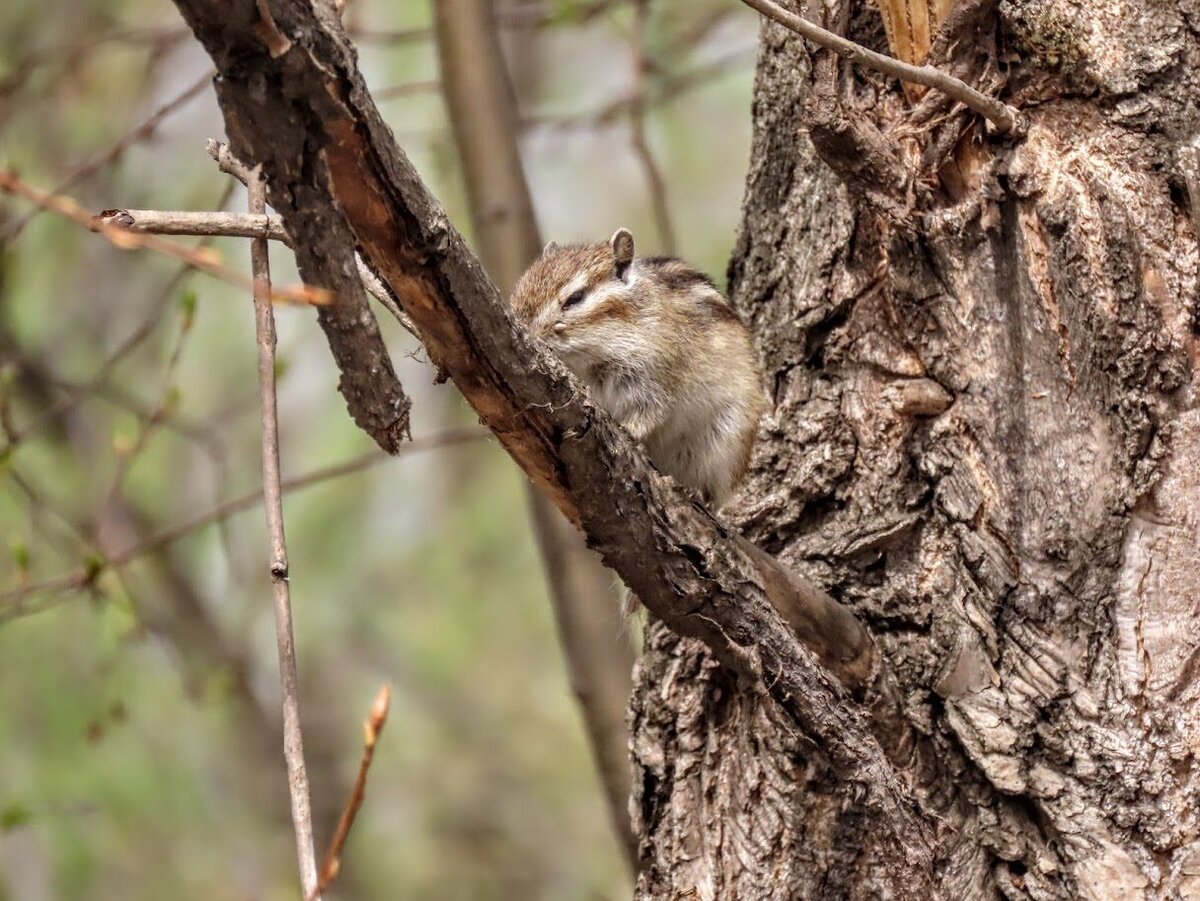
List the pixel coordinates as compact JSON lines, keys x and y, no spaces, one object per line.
{"x":139,"y":749}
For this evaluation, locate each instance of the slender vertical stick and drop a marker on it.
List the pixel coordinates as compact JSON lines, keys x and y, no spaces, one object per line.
{"x":293,"y":743}
{"x":655,"y":183}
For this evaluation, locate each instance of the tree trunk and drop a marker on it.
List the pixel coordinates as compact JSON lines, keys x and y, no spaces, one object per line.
{"x":986,"y":442}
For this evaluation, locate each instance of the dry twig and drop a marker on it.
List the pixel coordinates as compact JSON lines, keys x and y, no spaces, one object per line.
{"x":231,"y":165}
{"x":198,"y":258}
{"x":372,"y":726}
{"x":217,"y":224}
{"x":655,"y":182}
{"x":293,"y":744}
{"x":1003,"y":116}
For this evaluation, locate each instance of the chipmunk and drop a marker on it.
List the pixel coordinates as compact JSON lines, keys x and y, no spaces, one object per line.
{"x":659,"y":348}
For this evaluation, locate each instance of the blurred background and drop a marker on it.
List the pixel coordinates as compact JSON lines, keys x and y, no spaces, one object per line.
{"x":139,"y":749}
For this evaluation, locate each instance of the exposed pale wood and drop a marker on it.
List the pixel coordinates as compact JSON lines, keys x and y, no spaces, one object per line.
{"x":911,"y":25}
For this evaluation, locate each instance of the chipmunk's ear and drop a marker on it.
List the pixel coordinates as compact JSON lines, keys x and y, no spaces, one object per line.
{"x":622,"y":248}
{"x":550,"y":248}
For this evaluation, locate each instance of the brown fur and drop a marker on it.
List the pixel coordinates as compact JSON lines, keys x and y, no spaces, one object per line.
{"x":658,"y":347}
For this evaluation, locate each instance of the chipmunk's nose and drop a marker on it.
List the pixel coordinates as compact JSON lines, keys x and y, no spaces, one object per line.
{"x":559,"y":328}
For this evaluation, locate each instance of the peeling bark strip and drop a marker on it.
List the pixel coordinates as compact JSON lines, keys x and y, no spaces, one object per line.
{"x":274,"y":130}
{"x":336,"y":175}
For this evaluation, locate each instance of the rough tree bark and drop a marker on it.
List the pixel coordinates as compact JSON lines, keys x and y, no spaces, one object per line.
{"x":985,"y":444}
{"x":1022,"y":534}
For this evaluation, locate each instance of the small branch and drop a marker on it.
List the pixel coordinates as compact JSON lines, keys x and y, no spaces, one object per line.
{"x":190,"y":222}
{"x":231,"y":165}
{"x":372,"y":726}
{"x":655,"y":182}
{"x":198,"y":258}
{"x":226,"y":161}
{"x":136,"y":135}
{"x":293,"y":743}
{"x":1004,"y":117}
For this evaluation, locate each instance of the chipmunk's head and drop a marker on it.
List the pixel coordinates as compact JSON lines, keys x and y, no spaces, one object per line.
{"x":583,"y":301}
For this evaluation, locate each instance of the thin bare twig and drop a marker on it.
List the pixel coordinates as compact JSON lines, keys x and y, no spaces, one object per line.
{"x":293,"y":743}
{"x":372,"y":726}
{"x":198,"y":258}
{"x":218,"y":224}
{"x":231,"y":165}
{"x":137,"y":134}
{"x":655,"y":182}
{"x":1004,"y":117}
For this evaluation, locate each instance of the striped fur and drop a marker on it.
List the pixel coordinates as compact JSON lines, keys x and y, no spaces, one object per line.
{"x":659,"y":349}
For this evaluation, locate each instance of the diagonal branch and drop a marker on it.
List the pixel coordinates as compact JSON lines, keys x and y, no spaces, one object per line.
{"x":373,"y":725}
{"x":197,"y":258}
{"x":334,"y":170}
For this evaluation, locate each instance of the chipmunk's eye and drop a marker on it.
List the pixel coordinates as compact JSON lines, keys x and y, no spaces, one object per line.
{"x":575,"y":299}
